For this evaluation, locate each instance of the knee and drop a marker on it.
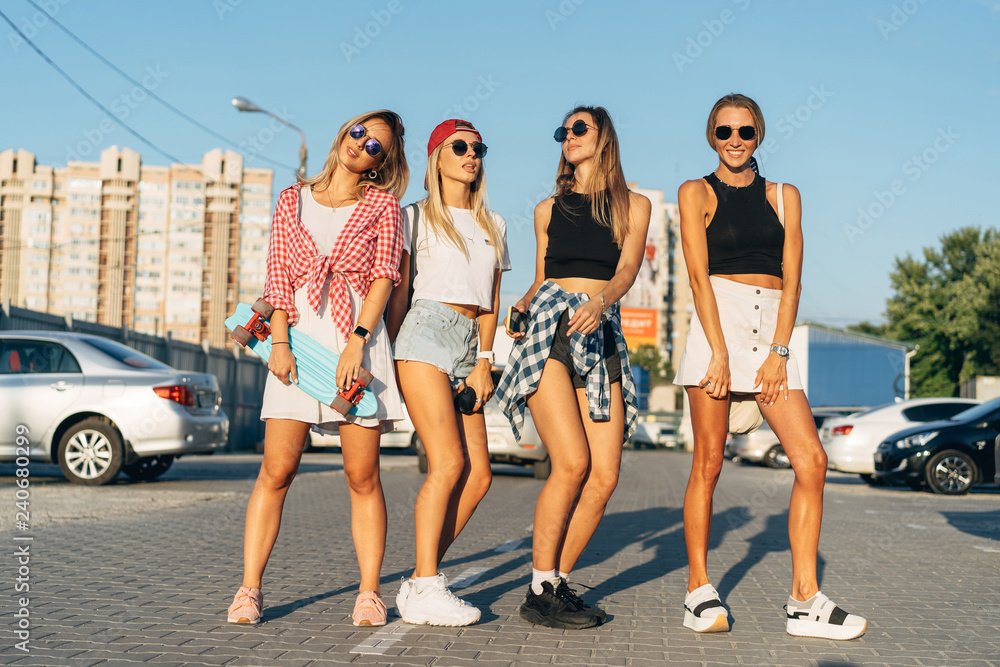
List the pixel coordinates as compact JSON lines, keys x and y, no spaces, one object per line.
{"x":810,"y":465}
{"x":446,"y":473}
{"x":572,"y":470}
{"x":706,"y":469}
{"x":276,"y":477}
{"x":479,"y":481}
{"x":601,"y":484}
{"x":363,"y":482}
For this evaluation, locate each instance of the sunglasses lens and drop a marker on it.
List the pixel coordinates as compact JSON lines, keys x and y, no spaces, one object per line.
{"x":579,"y":128}
{"x":560,"y":134}
{"x":747,"y":132}
{"x":460,"y":147}
{"x":357,"y":131}
{"x":479,"y":150}
{"x":723,"y":132}
{"x":372,"y":147}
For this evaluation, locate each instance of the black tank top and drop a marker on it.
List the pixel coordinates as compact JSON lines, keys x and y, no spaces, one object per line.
{"x":579,"y":247}
{"x":745,"y":235}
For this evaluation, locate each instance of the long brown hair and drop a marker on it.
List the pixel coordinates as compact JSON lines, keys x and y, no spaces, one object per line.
{"x":392,"y":174}
{"x":609,"y":194}
{"x":740,"y":102}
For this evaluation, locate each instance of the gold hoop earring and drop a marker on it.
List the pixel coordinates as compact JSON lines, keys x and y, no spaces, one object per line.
{"x":373,"y":174}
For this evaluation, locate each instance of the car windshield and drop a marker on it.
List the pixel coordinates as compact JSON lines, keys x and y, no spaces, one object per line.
{"x":978,"y":412}
{"x":124,"y":354}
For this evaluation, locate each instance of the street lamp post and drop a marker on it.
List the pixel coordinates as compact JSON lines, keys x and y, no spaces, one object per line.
{"x":243,"y":104}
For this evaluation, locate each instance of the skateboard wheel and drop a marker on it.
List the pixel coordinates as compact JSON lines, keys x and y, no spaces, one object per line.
{"x":341,"y":405}
{"x":365,"y":378}
{"x":241,"y":335}
{"x":263,"y":308}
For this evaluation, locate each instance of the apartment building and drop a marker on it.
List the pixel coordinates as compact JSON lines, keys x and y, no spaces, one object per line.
{"x":164,"y":250}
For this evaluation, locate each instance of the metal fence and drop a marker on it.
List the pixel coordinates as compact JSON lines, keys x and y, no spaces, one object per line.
{"x":241,"y":375}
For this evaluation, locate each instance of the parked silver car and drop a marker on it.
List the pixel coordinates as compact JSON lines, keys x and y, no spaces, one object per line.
{"x":99,"y":408}
{"x":762,"y":446}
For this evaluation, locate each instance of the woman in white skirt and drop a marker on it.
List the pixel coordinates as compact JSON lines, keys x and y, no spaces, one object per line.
{"x":444,"y":346}
{"x":336,"y":241}
{"x":742,"y":240}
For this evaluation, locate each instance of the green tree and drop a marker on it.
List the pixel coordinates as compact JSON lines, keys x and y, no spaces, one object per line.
{"x":948,"y":305}
{"x":648,"y":356}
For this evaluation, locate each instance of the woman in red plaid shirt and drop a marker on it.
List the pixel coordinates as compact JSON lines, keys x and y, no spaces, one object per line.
{"x":336,"y":242}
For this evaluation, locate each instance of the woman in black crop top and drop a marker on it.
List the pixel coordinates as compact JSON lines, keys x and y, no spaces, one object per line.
{"x":572,"y":360}
{"x":742,"y":242}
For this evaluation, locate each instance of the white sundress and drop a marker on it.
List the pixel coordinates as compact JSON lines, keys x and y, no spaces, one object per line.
{"x":288,"y":401}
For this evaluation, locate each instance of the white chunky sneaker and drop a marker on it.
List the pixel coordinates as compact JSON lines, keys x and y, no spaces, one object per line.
{"x":703,"y":611}
{"x":435,"y":604}
{"x":405,"y":586}
{"x":820,"y":617}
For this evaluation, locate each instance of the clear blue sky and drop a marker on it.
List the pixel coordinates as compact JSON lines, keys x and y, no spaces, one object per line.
{"x":887,"y":80}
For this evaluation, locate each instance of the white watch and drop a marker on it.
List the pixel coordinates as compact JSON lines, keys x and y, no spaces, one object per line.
{"x":488,"y":355}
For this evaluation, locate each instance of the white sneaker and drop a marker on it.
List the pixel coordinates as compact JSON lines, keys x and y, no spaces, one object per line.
{"x":820,"y":617}
{"x":435,"y":604}
{"x":405,"y":586}
{"x":703,"y":611}
{"x":448,"y":584}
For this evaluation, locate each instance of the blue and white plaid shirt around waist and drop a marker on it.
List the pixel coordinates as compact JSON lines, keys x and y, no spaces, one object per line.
{"x":528,"y":357}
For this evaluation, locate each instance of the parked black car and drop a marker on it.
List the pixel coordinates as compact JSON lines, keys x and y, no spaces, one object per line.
{"x":948,"y":456}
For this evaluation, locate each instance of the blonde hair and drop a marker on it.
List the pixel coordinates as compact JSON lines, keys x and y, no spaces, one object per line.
{"x":392,"y":173}
{"x":609,"y":194}
{"x":740,"y":102}
{"x":438,"y":217}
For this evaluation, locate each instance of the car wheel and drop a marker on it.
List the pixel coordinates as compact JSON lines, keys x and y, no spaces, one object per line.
{"x":871,"y":480}
{"x":148,"y":467}
{"x":950,"y":472}
{"x":421,"y":455}
{"x":90,"y":453}
{"x":542,"y":469}
{"x":776,"y":458}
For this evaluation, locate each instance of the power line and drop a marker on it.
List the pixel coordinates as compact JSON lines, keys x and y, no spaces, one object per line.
{"x":148,"y":91}
{"x":83,"y":92}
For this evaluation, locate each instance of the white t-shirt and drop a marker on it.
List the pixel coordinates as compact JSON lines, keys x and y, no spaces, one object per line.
{"x":444,"y":273}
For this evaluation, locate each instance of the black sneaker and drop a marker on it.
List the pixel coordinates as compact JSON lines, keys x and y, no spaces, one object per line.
{"x":555,"y":611}
{"x":564,"y":591}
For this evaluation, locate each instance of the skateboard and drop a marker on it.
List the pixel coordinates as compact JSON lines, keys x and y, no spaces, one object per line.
{"x":316,"y":366}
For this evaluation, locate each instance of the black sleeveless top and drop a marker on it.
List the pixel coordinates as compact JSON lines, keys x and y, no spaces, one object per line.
{"x":745,"y":234}
{"x":579,"y":247}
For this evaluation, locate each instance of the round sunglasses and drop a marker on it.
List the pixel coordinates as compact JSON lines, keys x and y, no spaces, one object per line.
{"x":461,"y":147}
{"x":579,"y":129}
{"x":723,"y":132}
{"x":372,"y":146}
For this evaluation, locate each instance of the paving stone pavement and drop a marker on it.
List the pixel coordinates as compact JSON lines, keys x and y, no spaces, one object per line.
{"x":152,"y":585}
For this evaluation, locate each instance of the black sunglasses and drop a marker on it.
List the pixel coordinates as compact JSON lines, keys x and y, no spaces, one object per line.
{"x":461,"y":147}
{"x":372,"y":146}
{"x":579,"y":129}
{"x":723,"y":132}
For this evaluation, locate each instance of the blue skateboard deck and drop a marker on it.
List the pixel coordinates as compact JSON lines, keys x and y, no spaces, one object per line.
{"x":315,"y":365}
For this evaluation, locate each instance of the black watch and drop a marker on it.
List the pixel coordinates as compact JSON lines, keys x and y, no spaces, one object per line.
{"x":363,"y":333}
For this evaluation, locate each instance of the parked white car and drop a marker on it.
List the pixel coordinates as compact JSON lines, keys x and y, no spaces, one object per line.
{"x":763,"y":447}
{"x":851,"y":441}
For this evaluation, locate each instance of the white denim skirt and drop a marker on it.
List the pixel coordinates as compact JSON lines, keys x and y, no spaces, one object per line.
{"x":749,"y":317}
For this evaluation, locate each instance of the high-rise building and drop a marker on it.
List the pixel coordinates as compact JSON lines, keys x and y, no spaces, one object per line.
{"x":156,"y":249}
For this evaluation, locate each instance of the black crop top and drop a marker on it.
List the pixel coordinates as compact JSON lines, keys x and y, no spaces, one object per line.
{"x":745,"y":234}
{"x":579,"y":247}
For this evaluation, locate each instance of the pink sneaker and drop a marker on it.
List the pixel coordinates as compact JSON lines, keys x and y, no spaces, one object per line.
{"x":369,"y":609}
{"x":247,"y":606}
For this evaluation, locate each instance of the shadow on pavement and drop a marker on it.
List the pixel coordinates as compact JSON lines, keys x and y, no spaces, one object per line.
{"x":980,"y":524}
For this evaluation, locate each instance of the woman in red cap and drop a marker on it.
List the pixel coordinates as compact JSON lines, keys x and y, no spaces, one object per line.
{"x":457,"y":249}
{"x":570,"y":367}
{"x":334,"y":252}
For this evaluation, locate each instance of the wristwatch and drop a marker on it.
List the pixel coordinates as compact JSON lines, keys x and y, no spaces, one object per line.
{"x":363,"y":333}
{"x":488,"y":355}
{"x":782,"y":350}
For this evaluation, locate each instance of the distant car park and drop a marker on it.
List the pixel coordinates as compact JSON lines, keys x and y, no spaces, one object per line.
{"x":658,"y":431}
{"x":762,"y":446}
{"x":850,"y":442}
{"x":98,"y":408}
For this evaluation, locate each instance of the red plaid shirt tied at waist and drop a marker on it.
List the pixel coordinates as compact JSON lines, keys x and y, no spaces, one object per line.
{"x":369,"y":248}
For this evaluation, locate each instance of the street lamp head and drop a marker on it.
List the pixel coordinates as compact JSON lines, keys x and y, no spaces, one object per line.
{"x":243,"y":104}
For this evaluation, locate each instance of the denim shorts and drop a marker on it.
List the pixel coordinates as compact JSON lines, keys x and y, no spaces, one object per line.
{"x":438,"y":335}
{"x":562,"y":352}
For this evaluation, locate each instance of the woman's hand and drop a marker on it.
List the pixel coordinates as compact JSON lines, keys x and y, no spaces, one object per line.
{"x":350,"y":361}
{"x":587,"y":317}
{"x":282,"y":363}
{"x":772,"y":378}
{"x":481,"y":381}
{"x":521,"y":306}
{"x":717,"y":379}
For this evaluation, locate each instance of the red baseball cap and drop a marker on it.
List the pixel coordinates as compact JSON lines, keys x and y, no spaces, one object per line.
{"x":448,"y":128}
